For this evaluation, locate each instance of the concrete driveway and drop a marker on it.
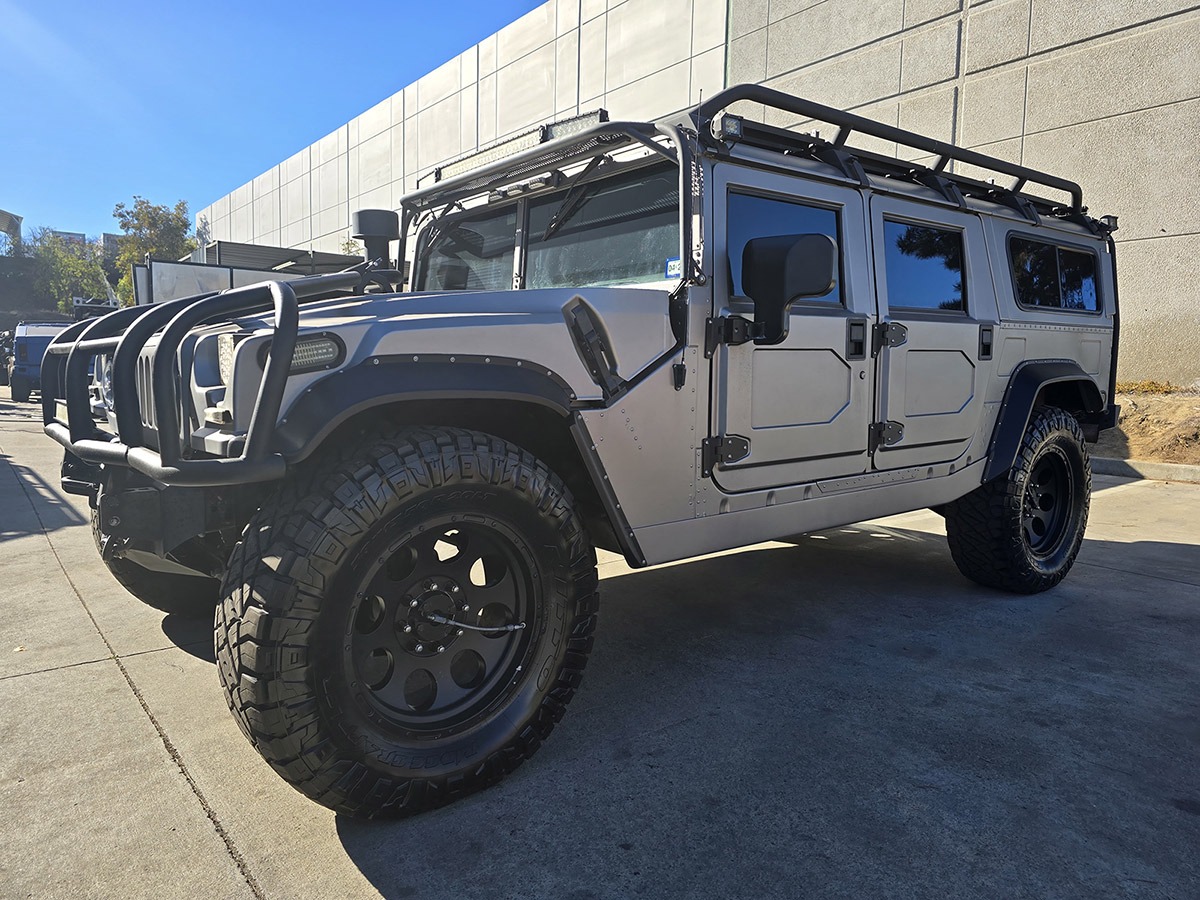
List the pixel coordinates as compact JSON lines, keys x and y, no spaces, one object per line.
{"x":841,"y":715}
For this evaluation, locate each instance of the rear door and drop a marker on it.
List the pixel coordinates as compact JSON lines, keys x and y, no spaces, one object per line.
{"x":937,"y":312}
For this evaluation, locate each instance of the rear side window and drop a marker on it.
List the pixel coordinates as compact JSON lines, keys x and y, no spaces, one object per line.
{"x":754,"y":217}
{"x":924,"y":267}
{"x":1052,"y":277}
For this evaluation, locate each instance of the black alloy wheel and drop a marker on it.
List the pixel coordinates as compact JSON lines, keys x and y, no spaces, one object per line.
{"x":438,"y":630}
{"x":1022,"y":531}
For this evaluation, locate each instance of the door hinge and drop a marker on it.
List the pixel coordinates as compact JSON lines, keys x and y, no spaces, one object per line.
{"x":732,"y":330}
{"x":726,"y":449}
{"x":884,"y":434}
{"x":887,"y":334}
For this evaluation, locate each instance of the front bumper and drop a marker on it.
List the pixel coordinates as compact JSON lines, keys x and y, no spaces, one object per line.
{"x":66,"y":397}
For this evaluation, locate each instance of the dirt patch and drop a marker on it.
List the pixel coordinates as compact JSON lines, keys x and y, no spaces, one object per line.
{"x":1160,"y":426}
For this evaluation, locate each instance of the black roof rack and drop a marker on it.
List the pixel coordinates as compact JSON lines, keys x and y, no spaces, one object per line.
{"x":715,"y":127}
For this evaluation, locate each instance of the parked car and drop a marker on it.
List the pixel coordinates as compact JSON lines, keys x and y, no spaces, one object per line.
{"x":29,"y":343}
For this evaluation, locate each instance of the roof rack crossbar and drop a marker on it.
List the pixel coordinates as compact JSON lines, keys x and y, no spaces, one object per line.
{"x":848,"y":123}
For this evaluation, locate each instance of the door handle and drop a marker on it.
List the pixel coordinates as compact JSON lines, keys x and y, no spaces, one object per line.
{"x":856,"y":338}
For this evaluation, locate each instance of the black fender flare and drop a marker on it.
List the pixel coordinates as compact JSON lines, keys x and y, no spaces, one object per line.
{"x":382,"y":380}
{"x":1024,"y":386}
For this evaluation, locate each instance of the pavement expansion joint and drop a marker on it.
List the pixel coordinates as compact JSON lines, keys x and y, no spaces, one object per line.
{"x":230,"y":847}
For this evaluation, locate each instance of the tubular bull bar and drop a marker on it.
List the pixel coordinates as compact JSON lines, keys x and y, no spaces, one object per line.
{"x":125,"y":333}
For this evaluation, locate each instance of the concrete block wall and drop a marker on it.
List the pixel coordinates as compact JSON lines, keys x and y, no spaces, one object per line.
{"x":1103,"y":91}
{"x":1106,"y":92}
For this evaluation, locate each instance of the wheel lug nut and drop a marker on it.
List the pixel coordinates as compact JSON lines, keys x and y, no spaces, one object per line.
{"x":466,"y":608}
{"x":407,"y":629}
{"x":441,"y":649}
{"x":459,"y":632}
{"x":432,"y":586}
{"x":419,"y":647}
{"x":412,"y":603}
{"x":454,"y":588}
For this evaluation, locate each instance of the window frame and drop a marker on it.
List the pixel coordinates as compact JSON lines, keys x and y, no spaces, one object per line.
{"x":520,"y":233}
{"x":746,"y":190}
{"x":901,"y":219}
{"x":1057,"y":245}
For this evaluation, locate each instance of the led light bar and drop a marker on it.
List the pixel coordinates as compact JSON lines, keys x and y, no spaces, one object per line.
{"x":524,"y":141}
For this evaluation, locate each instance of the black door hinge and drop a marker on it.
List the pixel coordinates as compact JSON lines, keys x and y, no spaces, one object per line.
{"x":884,"y":434}
{"x":887,"y":334}
{"x":726,"y":449}
{"x":732,"y":330}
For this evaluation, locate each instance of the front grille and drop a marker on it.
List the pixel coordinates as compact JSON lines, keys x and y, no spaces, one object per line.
{"x":145,"y":381}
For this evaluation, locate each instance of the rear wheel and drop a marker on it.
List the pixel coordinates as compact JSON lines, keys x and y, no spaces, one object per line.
{"x":191,"y":596}
{"x":406,"y":623}
{"x":1022,"y":532}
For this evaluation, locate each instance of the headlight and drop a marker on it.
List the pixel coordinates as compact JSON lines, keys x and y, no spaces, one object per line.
{"x":106,"y":371}
{"x":225,"y":347}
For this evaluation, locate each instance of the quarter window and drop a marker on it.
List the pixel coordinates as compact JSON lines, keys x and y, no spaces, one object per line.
{"x":1053,"y":277}
{"x":924,"y":267}
{"x":755,"y":217}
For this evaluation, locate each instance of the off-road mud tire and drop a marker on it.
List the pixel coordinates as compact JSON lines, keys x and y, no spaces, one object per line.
{"x":19,"y":389}
{"x":987,"y":529}
{"x":189,"y":596}
{"x":292,"y":599}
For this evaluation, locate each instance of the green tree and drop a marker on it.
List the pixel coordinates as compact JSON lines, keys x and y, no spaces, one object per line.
{"x":64,"y":268}
{"x":162,"y":231}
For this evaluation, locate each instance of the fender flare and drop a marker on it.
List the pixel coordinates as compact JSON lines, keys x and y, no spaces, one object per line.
{"x":1024,"y":386}
{"x":382,"y":380}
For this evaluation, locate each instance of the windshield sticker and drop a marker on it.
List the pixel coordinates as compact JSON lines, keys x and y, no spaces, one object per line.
{"x":674,"y":267}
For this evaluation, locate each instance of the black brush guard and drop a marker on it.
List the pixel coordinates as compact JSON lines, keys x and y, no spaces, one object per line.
{"x":124,"y":334}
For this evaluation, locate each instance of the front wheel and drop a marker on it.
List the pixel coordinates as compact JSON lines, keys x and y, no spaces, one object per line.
{"x":1022,"y":532}
{"x":404,"y":624}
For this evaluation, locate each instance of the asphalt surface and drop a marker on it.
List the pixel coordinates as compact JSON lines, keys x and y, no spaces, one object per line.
{"x":841,"y":715}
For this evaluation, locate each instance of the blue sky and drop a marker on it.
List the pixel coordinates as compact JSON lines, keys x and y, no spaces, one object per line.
{"x":178,"y":101}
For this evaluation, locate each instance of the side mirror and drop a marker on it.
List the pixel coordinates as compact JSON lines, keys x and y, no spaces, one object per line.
{"x":778,"y":271}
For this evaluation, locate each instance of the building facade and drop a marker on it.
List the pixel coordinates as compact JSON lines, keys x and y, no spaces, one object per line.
{"x":1105,"y":92}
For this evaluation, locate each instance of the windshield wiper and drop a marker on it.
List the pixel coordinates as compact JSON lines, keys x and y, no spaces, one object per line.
{"x":574,"y":200}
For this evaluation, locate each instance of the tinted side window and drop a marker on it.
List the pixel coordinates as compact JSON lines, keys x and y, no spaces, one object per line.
{"x":924,"y":267}
{"x":1053,"y":277}
{"x":753,"y":217}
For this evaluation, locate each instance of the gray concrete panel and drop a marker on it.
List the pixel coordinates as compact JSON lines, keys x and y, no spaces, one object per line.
{"x":1132,"y":165}
{"x":993,"y":107}
{"x":917,"y":12}
{"x":748,"y":58}
{"x":533,"y":30}
{"x":930,"y":56}
{"x":524,"y":93}
{"x":1056,"y":23}
{"x":829,"y":29}
{"x":997,"y":33}
{"x":644,"y":38}
{"x":746,"y":16}
{"x":1160,"y":318}
{"x":1098,"y":80}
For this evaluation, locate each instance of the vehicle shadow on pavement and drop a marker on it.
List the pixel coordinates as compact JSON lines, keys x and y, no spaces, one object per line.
{"x":31,"y":505}
{"x":847,"y":716}
{"x":191,"y":634}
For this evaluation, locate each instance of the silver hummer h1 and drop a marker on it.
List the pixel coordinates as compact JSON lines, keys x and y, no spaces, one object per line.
{"x":660,"y":339}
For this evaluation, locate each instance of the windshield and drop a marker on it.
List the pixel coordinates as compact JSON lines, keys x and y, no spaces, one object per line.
{"x":622,"y":228}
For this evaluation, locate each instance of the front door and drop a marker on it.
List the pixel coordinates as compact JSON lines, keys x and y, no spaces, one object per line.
{"x":803,"y":406}
{"x":934,"y":291}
